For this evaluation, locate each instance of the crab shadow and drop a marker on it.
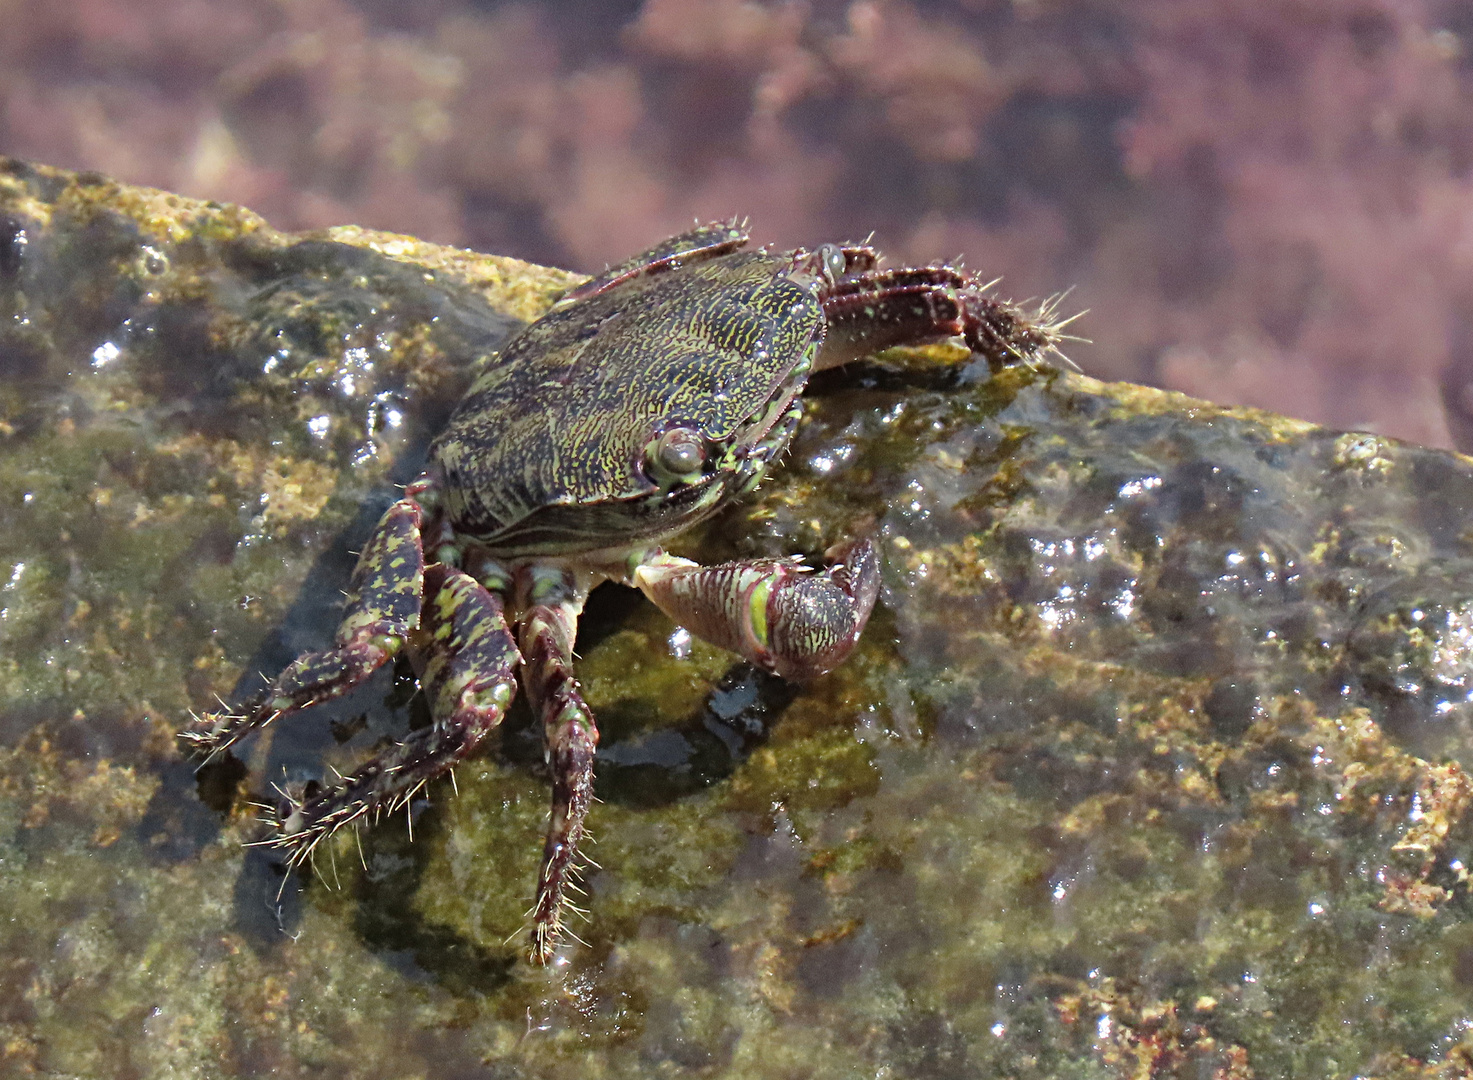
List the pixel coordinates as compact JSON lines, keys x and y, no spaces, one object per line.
{"x":647,"y":770}
{"x":637,"y":768}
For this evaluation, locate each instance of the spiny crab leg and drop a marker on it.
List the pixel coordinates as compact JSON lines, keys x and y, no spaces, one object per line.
{"x":386,"y":588}
{"x":469,"y":681}
{"x":548,"y":629}
{"x":775,"y":612}
{"x":875,"y":310}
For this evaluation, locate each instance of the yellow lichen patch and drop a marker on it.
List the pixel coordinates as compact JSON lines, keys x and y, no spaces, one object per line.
{"x":284,"y":491}
{"x":17,"y":197}
{"x":1443,"y":794}
{"x":428,"y":364}
{"x":1411,"y":896}
{"x":1135,"y":401}
{"x":1355,"y":746}
{"x":521,"y":290}
{"x":962,"y":566}
{"x":242,"y":464}
{"x":39,"y":777}
{"x":163,"y":215}
{"x":1141,"y":1039}
{"x":1161,"y":709}
{"x":1367,"y":774}
{"x":1372,"y":770}
{"x":295,"y":491}
{"x":1091,"y":815}
{"x":1455,"y":1064}
{"x":938,"y":354}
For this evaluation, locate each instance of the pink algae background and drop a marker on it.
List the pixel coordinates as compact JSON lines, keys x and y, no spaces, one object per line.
{"x":1264,"y":202}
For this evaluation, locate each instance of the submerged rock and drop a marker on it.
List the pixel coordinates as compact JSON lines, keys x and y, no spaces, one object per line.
{"x":1151,"y":762}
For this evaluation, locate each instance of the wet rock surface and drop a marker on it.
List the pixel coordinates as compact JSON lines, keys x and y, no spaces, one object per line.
{"x":1150,"y":763}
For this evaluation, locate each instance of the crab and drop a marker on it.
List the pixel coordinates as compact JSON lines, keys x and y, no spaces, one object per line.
{"x":645,"y":401}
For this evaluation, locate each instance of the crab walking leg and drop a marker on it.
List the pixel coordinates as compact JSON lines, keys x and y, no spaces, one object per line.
{"x":774,"y":612}
{"x":908,"y":306}
{"x":703,"y":242}
{"x":469,"y":679}
{"x":548,"y":629}
{"x":386,"y":588}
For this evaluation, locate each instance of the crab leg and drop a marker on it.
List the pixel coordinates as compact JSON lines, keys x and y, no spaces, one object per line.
{"x":386,"y":588}
{"x":774,"y":612}
{"x":469,"y":681}
{"x":876,"y":310}
{"x":703,"y":242}
{"x":548,"y":629}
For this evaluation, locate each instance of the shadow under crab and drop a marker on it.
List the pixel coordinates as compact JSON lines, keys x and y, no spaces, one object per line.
{"x":645,"y":401}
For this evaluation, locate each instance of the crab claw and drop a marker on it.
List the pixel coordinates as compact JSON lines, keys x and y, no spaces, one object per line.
{"x":775,"y":612}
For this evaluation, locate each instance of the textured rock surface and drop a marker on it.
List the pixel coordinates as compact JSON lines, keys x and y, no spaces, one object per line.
{"x":1150,"y":763}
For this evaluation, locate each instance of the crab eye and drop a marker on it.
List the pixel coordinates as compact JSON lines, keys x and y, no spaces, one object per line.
{"x":835,"y":262}
{"x":678,"y":454}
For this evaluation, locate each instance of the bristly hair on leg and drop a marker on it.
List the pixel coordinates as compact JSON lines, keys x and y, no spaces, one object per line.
{"x":1046,"y":318}
{"x":546,"y":937}
{"x":210,"y":735}
{"x":403,"y":801}
{"x":1029,"y":338}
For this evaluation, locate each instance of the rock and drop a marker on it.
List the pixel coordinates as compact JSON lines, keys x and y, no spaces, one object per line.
{"x":1152,"y":759}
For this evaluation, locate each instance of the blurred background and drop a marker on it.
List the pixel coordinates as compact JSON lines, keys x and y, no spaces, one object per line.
{"x":1262,"y":202}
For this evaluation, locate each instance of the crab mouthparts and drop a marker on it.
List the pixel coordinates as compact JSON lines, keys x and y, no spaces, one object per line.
{"x":757,"y":438}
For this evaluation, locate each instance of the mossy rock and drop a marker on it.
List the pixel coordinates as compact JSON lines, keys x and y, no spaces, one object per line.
{"x":1150,"y":763}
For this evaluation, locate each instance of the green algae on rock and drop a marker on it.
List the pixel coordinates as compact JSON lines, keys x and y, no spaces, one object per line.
{"x":1151,"y":763}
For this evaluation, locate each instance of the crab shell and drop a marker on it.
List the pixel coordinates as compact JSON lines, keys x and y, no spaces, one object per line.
{"x":549,"y":453}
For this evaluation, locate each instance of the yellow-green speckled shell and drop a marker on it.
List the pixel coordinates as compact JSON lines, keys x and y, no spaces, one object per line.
{"x":546,"y":452}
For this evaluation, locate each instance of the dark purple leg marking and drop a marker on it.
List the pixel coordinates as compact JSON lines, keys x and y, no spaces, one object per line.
{"x":547,"y":631}
{"x":386,"y":588}
{"x":784,"y":619}
{"x":702,"y":242}
{"x":469,"y":680}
